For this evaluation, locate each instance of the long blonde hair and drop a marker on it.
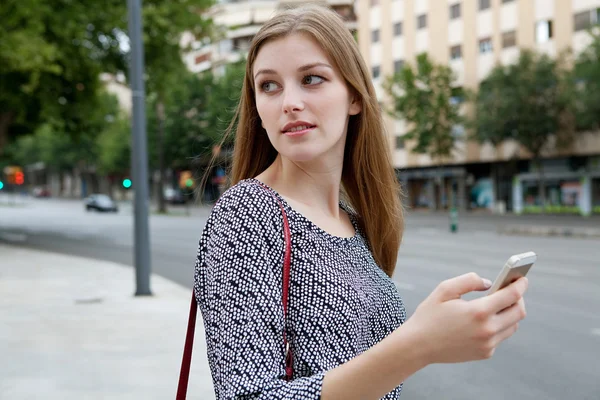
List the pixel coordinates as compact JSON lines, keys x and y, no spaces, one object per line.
{"x":369,"y":183}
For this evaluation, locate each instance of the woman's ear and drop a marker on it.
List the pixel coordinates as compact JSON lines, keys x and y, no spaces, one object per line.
{"x":355,"y":106}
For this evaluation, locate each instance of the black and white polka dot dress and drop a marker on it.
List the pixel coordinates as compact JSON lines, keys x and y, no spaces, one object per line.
{"x":340,"y":302}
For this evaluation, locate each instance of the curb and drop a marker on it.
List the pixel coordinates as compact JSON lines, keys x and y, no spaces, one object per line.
{"x":523,"y":230}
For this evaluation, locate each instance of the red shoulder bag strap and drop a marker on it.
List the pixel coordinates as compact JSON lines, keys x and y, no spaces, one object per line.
{"x":184,"y":373}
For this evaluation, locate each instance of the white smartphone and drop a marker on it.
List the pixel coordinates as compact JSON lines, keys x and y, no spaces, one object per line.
{"x":516,"y":267}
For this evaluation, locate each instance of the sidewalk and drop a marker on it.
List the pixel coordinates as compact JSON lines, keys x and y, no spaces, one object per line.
{"x":72,"y":329}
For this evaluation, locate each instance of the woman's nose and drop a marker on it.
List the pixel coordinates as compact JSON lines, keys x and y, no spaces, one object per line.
{"x":292,"y":100}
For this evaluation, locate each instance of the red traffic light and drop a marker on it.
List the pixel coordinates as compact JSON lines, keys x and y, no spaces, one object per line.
{"x":19,"y":178}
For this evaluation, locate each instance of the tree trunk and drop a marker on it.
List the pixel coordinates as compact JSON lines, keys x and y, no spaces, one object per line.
{"x":160,"y":113}
{"x":541,"y":184}
{"x":6,"y":119}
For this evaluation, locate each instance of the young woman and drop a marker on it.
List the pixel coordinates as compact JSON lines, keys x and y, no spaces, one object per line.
{"x":310,"y":141}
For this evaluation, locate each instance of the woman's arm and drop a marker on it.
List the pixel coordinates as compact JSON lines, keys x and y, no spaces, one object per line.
{"x":444,"y":329}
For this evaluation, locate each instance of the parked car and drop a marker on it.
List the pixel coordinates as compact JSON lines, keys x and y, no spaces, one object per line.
{"x":40,"y":191}
{"x":174,"y":196}
{"x":100,"y":202}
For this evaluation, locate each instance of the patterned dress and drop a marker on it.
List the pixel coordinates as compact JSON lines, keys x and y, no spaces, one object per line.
{"x":340,"y":302}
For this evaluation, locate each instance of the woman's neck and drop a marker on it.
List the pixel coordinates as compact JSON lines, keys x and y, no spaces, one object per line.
{"x":315,"y":186}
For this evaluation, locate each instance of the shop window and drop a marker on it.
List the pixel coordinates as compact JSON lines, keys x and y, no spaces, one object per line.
{"x":595,"y":183}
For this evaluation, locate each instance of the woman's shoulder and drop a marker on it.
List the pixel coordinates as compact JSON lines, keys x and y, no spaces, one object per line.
{"x":246,"y":198}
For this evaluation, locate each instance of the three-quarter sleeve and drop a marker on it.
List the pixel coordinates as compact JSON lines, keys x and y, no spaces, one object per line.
{"x":238,"y":286}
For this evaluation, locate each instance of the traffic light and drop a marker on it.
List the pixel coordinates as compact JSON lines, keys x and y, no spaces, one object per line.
{"x":186,"y":180}
{"x":1,"y":185}
{"x":127,"y":183}
{"x":19,"y":178}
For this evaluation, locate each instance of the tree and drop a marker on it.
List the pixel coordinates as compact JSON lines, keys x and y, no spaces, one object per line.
{"x":492,"y":105}
{"x":51,"y":54}
{"x":429,"y":101}
{"x":529,"y":101}
{"x":198,"y":110}
{"x":587,"y":80}
{"x":164,"y":24}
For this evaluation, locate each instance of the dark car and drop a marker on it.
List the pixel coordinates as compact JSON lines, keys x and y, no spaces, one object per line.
{"x":100,"y":202}
{"x":174,"y":196}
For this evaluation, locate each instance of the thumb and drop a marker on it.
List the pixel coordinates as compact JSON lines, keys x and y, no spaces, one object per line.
{"x":452,"y":289}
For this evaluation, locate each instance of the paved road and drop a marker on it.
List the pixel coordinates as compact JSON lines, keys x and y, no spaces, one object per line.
{"x":555,"y":354}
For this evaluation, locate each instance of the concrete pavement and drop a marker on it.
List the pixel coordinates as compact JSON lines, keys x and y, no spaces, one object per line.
{"x":71,"y":329}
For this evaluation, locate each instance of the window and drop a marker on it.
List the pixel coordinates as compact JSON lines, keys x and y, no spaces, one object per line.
{"x":543,"y":31}
{"x":455,"y":11}
{"x":399,"y":142}
{"x":398,"y":29}
{"x":398,"y":65}
{"x":485,"y":45}
{"x":455,"y":52}
{"x":484,"y":5}
{"x":421,"y":21}
{"x":585,"y":19}
{"x":509,"y":39}
{"x":375,"y":36}
{"x":376,"y":71}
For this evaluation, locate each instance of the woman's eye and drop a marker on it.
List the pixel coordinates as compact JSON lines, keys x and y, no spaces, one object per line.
{"x":268,"y":86}
{"x":312,"y":80}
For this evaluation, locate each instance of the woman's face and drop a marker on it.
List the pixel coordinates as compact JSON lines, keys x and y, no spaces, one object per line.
{"x":303,"y":102}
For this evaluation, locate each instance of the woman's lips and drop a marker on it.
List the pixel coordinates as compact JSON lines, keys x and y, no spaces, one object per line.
{"x":299,"y":133}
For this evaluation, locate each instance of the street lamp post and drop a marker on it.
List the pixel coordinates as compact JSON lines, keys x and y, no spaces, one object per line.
{"x":139,"y":156}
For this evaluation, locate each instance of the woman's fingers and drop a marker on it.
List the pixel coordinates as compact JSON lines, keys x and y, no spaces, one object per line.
{"x":504,"y":298}
{"x":454,"y":288}
{"x":510,"y":316}
{"x":506,"y":322}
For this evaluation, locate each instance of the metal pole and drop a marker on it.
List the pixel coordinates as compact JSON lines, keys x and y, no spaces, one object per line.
{"x":139,"y":154}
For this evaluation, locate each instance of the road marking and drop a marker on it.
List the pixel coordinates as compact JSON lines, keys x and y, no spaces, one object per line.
{"x":596,"y":332}
{"x":405,"y":286}
{"x":13,"y":237}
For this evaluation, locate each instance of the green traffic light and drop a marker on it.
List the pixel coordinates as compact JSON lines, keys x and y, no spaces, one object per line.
{"x":1,"y":185}
{"x":126,"y":183}
{"x":189,"y":182}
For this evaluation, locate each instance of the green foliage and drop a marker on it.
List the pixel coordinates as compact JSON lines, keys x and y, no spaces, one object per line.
{"x":529,"y":101}
{"x":587,"y":80}
{"x":492,"y":105}
{"x":51,"y":54}
{"x":223,"y":97}
{"x":427,"y":100}
{"x":50,"y":144}
{"x":114,"y":146}
{"x":198,"y":110}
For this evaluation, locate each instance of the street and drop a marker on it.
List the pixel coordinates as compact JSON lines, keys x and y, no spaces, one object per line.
{"x":554,"y":355}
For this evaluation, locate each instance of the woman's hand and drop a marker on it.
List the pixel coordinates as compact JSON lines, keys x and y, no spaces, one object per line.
{"x":451,"y":329}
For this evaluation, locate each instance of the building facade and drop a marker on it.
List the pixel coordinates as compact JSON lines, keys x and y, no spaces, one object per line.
{"x":238,"y":22}
{"x":471,"y":36}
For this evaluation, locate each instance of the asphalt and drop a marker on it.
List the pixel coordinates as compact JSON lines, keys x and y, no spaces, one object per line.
{"x":72,"y":329}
